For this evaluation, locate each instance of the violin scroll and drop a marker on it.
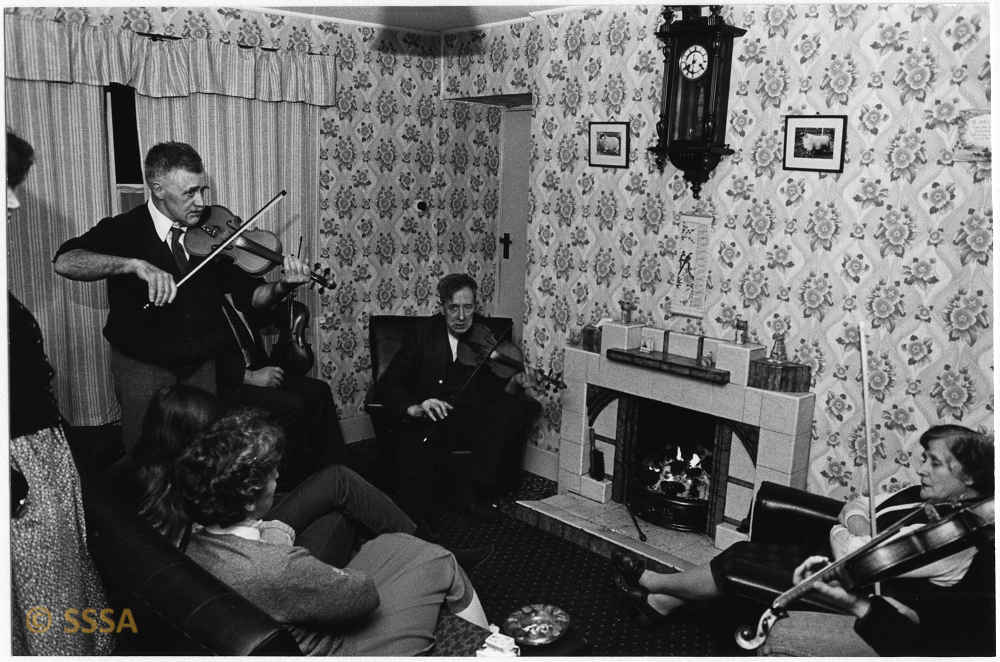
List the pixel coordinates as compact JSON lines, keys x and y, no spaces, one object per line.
{"x":748,"y":640}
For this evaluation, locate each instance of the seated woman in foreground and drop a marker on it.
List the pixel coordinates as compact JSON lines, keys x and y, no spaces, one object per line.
{"x":957,"y":466}
{"x":385,"y":601}
{"x":330,"y":504}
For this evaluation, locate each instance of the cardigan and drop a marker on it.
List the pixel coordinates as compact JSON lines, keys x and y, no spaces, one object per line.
{"x":33,"y":405}
{"x":310,"y":598}
{"x":180,"y":335}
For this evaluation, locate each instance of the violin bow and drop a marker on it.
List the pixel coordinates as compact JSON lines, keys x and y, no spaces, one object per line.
{"x":233,"y":237}
{"x":868,"y":437}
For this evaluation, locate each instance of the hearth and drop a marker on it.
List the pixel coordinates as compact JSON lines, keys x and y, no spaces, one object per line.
{"x":773,"y":428}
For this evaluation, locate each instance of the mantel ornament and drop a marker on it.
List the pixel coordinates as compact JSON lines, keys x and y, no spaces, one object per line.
{"x":697,"y":62}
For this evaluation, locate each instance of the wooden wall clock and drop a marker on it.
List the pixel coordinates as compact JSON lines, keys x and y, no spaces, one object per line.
{"x":697,"y":62}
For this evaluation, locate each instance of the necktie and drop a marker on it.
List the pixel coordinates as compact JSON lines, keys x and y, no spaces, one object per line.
{"x":243,"y":335}
{"x":177,"y":235}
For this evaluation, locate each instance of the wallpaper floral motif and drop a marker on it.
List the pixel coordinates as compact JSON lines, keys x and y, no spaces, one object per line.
{"x":389,"y":143}
{"x":902,"y":239}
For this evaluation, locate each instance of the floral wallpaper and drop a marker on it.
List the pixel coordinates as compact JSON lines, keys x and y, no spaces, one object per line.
{"x":902,"y":239}
{"x":389,"y":143}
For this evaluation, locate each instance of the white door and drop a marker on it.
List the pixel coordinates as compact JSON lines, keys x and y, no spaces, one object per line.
{"x":515,"y":152}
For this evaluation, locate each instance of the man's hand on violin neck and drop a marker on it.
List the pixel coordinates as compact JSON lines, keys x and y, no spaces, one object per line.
{"x":162,"y":288}
{"x":294,"y":271}
{"x":431,"y":408}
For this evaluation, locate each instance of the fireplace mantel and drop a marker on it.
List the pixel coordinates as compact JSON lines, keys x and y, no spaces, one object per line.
{"x":784,"y":419}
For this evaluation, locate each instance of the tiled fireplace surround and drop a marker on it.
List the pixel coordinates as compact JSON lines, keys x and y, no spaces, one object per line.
{"x":784,"y":419}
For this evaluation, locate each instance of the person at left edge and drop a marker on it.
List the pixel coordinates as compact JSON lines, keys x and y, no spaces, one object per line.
{"x":141,"y":255}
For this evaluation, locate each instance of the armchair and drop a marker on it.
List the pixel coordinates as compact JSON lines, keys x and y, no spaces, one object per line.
{"x":787,"y":516}
{"x":386,"y":334}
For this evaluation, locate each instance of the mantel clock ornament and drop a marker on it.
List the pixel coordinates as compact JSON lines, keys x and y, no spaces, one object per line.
{"x":697,"y":61}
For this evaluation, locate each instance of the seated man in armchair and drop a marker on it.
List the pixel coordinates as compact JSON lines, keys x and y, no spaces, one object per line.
{"x":448,"y":406}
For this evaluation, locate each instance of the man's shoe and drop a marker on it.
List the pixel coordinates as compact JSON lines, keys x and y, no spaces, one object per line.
{"x":630,"y":565}
{"x":487,"y":513}
{"x":471,"y":558}
{"x":636,"y":597}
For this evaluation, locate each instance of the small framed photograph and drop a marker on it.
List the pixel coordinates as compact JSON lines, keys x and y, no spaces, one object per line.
{"x":609,"y":144}
{"x":815,"y":142}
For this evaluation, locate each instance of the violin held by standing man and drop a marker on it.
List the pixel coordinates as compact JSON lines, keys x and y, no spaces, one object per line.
{"x":142,"y":257}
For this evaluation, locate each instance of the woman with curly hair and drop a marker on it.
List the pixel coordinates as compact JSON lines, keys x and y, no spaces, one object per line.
{"x":330,"y":505}
{"x":385,"y":601}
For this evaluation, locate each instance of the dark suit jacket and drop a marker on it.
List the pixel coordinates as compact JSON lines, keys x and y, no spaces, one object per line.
{"x":230,"y":364}
{"x":417,"y":371}
{"x":182,"y":334}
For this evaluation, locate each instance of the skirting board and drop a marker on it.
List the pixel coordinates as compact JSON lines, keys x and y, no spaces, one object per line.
{"x":536,"y":460}
{"x":541,"y":462}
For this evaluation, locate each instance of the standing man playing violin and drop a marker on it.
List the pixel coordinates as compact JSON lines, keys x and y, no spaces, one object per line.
{"x":449,"y":406}
{"x":161,"y":334}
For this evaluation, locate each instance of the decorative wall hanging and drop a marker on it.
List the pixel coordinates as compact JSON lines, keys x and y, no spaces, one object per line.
{"x":973,"y":136}
{"x":697,"y":59}
{"x":609,"y":144}
{"x":815,"y":142}
{"x":691,"y":278}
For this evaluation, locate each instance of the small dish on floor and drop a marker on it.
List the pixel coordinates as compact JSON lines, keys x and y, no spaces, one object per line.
{"x":538,"y":624}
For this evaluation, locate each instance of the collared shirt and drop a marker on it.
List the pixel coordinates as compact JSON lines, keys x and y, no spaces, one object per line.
{"x":163,"y":225}
{"x":453,"y":341}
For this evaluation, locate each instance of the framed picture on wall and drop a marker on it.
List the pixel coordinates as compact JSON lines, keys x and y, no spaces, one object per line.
{"x":815,"y":142}
{"x":609,"y":144}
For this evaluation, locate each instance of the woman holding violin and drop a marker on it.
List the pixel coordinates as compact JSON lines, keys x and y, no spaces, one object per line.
{"x":957,"y":467}
{"x":160,"y":333}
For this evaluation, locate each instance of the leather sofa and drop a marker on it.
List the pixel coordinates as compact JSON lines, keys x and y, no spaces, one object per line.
{"x":181,"y":609}
{"x":385,"y":336}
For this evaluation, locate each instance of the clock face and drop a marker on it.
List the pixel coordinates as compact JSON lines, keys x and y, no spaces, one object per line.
{"x":694,"y":62}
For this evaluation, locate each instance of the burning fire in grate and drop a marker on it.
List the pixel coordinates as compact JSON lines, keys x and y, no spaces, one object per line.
{"x":676,"y":476}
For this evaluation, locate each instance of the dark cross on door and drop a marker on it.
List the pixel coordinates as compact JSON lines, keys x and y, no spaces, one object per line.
{"x":506,"y":245}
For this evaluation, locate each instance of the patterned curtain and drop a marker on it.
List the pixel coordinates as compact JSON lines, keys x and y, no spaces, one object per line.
{"x":38,"y":49}
{"x":252,"y":150}
{"x":65,"y":193}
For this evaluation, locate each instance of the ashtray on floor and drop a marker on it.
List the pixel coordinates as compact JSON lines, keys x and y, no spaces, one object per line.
{"x":535,"y":625}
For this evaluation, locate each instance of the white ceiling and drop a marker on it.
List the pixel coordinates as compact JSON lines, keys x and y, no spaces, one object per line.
{"x":423,"y":18}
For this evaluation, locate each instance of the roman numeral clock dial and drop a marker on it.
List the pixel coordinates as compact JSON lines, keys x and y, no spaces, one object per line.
{"x":694,"y":62}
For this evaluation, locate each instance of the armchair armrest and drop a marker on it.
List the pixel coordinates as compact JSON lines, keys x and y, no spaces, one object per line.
{"x":791,"y":516}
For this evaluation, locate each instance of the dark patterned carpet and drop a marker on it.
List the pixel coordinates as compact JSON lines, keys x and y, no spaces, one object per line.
{"x":533,"y":566}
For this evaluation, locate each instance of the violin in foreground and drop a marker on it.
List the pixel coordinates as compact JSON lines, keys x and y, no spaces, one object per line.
{"x":888,"y":555}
